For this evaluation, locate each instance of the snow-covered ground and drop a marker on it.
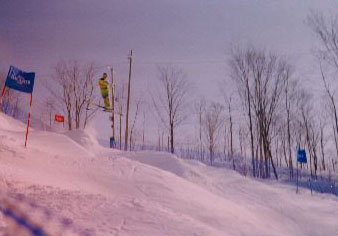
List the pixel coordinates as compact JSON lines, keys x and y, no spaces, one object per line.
{"x":105,"y":192}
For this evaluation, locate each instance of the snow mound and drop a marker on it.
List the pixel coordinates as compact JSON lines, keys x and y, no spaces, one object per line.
{"x":85,"y":138}
{"x":106,"y":192}
{"x":168,"y":162}
{"x":10,"y":124}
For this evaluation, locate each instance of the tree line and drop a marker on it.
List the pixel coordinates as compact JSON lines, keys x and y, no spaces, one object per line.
{"x":276,"y":113}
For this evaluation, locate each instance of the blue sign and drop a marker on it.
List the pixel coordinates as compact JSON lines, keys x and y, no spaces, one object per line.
{"x":20,"y":80}
{"x":301,"y":156}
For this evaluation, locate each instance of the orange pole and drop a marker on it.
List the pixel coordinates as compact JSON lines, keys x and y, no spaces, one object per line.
{"x":29,"y":118}
{"x":2,"y":94}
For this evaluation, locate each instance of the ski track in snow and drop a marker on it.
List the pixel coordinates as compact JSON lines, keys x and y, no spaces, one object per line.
{"x":97,"y":191}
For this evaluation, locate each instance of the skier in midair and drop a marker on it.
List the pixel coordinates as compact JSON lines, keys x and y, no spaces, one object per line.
{"x":104,"y":87}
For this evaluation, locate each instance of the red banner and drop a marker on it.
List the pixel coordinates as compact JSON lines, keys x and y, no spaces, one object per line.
{"x":59,"y":118}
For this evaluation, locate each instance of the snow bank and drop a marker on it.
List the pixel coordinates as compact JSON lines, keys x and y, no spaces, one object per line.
{"x":9,"y":123}
{"x":84,"y":138}
{"x":106,"y":192}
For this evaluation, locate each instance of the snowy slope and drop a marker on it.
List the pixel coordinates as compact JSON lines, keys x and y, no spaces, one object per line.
{"x":105,"y":192}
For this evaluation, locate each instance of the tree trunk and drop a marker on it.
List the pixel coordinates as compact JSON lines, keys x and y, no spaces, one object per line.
{"x":172,"y":138}
{"x":69,"y":120}
{"x":251,"y":133}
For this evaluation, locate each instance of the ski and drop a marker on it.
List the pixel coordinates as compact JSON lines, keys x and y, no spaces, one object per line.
{"x":104,"y":108}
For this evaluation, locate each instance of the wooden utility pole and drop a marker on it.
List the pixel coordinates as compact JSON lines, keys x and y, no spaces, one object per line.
{"x":120,"y":102}
{"x":112,"y":139}
{"x":128,"y":101}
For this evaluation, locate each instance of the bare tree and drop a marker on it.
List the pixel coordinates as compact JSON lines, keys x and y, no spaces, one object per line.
{"x":73,"y":88}
{"x":87,"y":96}
{"x":171,"y":103}
{"x":212,"y":122}
{"x":200,"y":107}
{"x":327,"y":31}
{"x":312,"y":131}
{"x":138,"y":105}
{"x":143,"y":127}
{"x":242,"y":136}
{"x":228,"y":101}
{"x":61,"y":89}
{"x":289,"y":91}
{"x":265,"y":95}
{"x":260,"y":79}
{"x":50,"y":108}
{"x":240,"y":72}
{"x":322,"y":144}
{"x":82,"y":80}
{"x":332,"y":106}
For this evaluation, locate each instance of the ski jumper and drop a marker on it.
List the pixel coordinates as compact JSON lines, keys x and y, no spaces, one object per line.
{"x":104,"y":87}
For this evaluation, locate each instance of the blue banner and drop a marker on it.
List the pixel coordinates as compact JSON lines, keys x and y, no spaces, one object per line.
{"x":301,"y":156}
{"x":20,"y":80}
